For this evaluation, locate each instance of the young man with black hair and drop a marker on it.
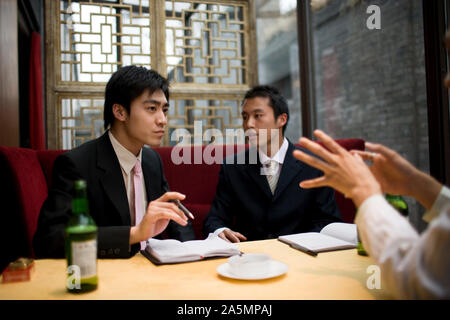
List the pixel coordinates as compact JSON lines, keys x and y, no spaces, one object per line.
{"x":127,"y":190}
{"x":262,"y":200}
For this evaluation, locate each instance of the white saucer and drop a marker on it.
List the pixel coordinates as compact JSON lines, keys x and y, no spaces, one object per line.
{"x":275,"y":269}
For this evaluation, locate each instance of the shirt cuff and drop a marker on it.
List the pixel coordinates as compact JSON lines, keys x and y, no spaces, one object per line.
{"x":380,"y":225}
{"x":439,"y":205}
{"x":219,"y":231}
{"x":373,"y":200}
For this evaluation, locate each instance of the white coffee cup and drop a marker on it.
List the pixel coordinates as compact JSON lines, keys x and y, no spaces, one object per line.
{"x":249,"y":264}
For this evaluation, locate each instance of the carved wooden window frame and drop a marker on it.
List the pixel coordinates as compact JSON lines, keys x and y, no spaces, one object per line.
{"x":58,"y":90}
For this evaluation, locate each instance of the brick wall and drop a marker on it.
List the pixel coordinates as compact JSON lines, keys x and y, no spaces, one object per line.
{"x":371,"y":83}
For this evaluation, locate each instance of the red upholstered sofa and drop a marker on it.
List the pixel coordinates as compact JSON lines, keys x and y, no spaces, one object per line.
{"x":26,"y":177}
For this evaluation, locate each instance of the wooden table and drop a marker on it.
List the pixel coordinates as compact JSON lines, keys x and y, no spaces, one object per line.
{"x":330,"y":275}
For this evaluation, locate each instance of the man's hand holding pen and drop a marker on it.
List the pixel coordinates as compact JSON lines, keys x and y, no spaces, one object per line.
{"x":183,"y":208}
{"x":159,"y":213}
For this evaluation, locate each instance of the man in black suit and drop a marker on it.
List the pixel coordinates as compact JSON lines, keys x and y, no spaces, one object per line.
{"x":261,"y":200}
{"x":135,"y":114}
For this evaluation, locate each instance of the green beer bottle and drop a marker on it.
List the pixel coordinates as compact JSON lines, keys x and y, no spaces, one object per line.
{"x":398,"y":203}
{"x":81,"y":244}
{"x":360,"y":249}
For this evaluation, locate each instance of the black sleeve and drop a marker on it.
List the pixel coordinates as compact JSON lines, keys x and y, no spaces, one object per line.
{"x":220,"y":214}
{"x":49,"y":239}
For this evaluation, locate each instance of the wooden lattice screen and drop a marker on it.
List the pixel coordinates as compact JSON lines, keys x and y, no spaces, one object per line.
{"x":205,"y":48}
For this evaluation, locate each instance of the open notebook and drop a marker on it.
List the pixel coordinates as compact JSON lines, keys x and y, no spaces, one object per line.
{"x":174,"y":251}
{"x":335,"y":236}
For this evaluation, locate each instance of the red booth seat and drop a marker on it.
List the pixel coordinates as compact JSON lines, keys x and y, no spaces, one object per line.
{"x":27,"y":178}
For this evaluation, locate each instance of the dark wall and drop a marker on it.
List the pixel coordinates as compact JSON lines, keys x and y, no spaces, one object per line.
{"x":371,"y":84}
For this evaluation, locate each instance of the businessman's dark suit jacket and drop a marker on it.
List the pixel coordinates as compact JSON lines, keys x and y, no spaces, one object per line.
{"x":244,"y":202}
{"x":97,"y":163}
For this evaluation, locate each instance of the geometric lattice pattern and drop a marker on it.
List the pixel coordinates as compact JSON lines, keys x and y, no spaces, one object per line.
{"x":202,"y":47}
{"x":220,"y":114}
{"x":81,"y":120}
{"x":98,"y":36}
{"x":205,"y":42}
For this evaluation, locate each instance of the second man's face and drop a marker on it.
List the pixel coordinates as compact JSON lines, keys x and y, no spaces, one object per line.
{"x":259,"y":121}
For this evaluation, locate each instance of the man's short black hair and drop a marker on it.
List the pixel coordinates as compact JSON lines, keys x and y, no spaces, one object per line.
{"x":276,"y":100}
{"x":128,"y":83}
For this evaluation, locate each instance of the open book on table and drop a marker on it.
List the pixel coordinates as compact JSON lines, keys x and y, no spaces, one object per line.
{"x":335,"y":236}
{"x":174,"y":251}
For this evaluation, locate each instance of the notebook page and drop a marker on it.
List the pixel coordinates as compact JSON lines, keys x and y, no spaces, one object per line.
{"x":212,"y":246}
{"x":343,"y":231}
{"x":316,"y":241}
{"x":170,"y":250}
{"x":175,"y":251}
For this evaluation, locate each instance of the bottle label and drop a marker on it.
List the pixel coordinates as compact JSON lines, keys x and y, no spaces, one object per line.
{"x":84,"y":255}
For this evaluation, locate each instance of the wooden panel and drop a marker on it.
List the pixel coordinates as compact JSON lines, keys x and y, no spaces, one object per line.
{"x":9,"y":80}
{"x":211,"y":44}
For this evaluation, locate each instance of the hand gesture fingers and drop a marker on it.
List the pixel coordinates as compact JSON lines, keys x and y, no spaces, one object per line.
{"x":316,"y":149}
{"x":343,"y":171}
{"x":329,"y":143}
{"x":312,"y":161}
{"x":379,"y":148}
{"x":314,"y":183}
{"x":368,"y":156}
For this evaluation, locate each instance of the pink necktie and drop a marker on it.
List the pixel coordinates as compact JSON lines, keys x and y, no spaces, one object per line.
{"x":138,"y":195}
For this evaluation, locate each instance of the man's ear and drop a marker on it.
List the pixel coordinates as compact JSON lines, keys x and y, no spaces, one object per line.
{"x":281,"y":120}
{"x":119,"y":112}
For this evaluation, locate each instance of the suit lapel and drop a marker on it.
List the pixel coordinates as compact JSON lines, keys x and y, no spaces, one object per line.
{"x":150,"y":176}
{"x":111,"y":178}
{"x":290,"y":169}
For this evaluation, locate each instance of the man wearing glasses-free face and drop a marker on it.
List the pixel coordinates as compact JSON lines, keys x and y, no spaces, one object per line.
{"x":261,"y":200}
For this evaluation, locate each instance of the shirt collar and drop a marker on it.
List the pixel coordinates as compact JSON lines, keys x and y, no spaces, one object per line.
{"x":278,"y":157}
{"x":127,"y":160}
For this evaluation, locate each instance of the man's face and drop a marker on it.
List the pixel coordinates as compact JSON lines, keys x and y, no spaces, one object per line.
{"x":259,"y":122}
{"x":447,"y":43}
{"x":147,"y":118}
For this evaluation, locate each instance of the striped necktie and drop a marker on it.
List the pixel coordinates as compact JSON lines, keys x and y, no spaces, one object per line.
{"x":271,"y":174}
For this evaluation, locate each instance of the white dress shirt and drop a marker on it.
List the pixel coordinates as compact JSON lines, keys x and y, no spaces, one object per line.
{"x":412,"y":266}
{"x":442,"y":200}
{"x":127,"y":162}
{"x":278,"y":157}
{"x":264,"y":159}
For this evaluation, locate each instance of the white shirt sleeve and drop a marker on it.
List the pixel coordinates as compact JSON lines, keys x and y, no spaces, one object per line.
{"x":439,"y":204}
{"x":412,"y":266}
{"x":219,"y":231}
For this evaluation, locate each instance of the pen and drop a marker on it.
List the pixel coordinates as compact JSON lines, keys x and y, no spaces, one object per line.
{"x":180,"y":205}
{"x":183,"y":208}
